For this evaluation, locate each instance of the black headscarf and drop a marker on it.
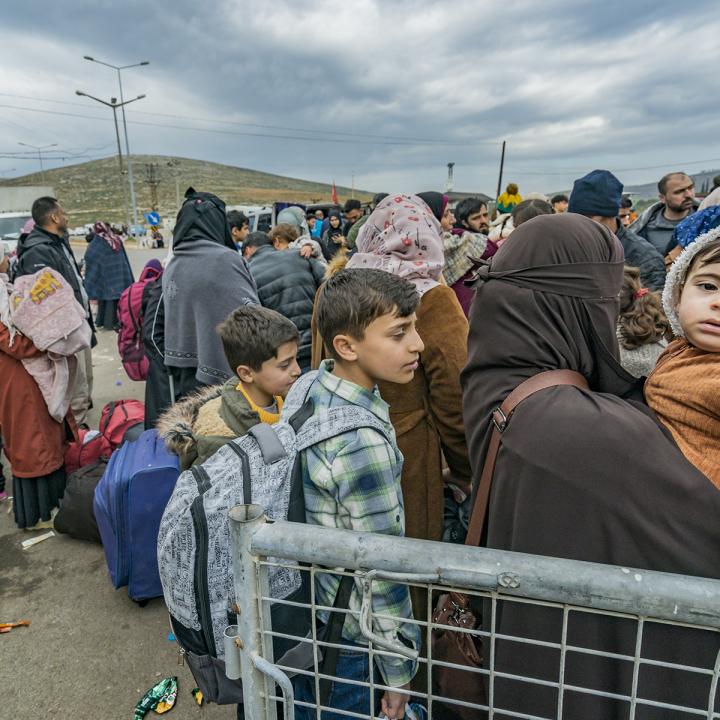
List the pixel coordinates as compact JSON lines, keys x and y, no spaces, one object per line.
{"x":202,"y":215}
{"x":585,"y":475}
{"x":435,"y":201}
{"x":334,"y":232}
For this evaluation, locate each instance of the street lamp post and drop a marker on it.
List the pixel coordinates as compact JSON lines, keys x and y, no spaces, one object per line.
{"x":114,"y":105}
{"x":39,"y":151}
{"x":121,"y":105}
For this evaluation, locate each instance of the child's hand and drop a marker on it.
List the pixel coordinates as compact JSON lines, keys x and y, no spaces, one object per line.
{"x":306,"y":251}
{"x":393,"y":703}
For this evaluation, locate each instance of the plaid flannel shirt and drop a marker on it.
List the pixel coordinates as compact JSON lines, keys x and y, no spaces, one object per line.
{"x":352,"y":482}
{"x":460,"y":251}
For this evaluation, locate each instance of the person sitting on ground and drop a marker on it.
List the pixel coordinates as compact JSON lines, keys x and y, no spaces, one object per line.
{"x":308,"y":247}
{"x":262,"y":347}
{"x":333,"y":239}
{"x":465,"y":245}
{"x":597,"y":195}
{"x":287,"y":282}
{"x":34,"y":443}
{"x":352,"y":481}
{"x":657,"y":223}
{"x":643,"y":329}
{"x":559,"y":203}
{"x":684,"y":389}
{"x":585,"y":474}
{"x":239,"y":227}
{"x":107,"y":274}
{"x":508,"y":200}
{"x":205,"y":280}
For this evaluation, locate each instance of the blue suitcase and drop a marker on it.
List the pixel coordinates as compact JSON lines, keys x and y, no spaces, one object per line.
{"x":129,"y":502}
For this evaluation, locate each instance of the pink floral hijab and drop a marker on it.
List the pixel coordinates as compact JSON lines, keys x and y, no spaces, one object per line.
{"x":402,"y":237}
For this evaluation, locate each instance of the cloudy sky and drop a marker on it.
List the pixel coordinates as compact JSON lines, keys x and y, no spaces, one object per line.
{"x":390,"y":91}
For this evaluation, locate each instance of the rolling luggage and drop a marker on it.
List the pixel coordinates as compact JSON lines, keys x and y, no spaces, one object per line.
{"x":129,"y":502}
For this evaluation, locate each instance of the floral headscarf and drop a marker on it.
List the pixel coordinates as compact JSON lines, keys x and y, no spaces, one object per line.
{"x":105,"y":232}
{"x":402,"y":237}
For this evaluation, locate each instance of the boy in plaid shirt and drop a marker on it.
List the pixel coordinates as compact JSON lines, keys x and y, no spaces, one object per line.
{"x":352,"y":481}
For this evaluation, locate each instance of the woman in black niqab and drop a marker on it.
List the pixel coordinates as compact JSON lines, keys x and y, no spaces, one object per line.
{"x":587,"y":475}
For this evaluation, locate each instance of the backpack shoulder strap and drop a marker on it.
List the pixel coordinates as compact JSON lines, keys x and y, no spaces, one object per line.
{"x":331,"y":422}
{"x":500,"y":419}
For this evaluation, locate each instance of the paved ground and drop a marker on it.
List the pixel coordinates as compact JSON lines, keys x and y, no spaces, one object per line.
{"x":89,"y":653}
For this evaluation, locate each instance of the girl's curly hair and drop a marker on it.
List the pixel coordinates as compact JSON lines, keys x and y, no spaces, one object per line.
{"x":642,"y":320}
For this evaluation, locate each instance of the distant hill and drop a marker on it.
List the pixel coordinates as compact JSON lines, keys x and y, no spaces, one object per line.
{"x":95,"y":190}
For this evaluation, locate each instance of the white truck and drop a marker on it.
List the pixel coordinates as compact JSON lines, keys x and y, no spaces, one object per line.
{"x":15,"y":205}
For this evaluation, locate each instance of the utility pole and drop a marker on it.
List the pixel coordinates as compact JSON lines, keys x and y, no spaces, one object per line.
{"x":39,"y":151}
{"x":118,"y":68}
{"x":114,"y":105}
{"x":153,"y":181}
{"x":174,"y":165}
{"x":502,"y":164}
{"x":353,"y":184}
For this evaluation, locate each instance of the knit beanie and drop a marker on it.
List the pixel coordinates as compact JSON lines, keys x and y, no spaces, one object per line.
{"x":677,"y":275}
{"x":597,"y":193}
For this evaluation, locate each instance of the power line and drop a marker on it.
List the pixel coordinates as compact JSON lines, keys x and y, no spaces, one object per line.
{"x":404,"y":140}
{"x":617,"y":170}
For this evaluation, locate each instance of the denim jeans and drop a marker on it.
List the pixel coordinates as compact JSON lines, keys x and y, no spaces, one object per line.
{"x":343,"y":696}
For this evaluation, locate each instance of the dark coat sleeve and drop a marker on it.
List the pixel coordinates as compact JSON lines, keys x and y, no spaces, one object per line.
{"x":444,"y":330}
{"x":642,"y":254}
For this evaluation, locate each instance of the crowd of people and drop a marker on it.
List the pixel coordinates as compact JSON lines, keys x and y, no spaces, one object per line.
{"x":427,"y":316}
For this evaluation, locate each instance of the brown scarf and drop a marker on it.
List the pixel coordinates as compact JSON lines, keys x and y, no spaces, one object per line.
{"x":684,"y":392}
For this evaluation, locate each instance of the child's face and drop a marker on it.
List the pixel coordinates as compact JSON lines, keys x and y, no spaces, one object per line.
{"x":277,"y":375}
{"x":390,"y":349}
{"x":699,"y":307}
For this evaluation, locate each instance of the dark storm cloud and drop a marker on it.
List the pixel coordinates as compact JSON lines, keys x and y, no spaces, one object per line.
{"x":567,"y":84}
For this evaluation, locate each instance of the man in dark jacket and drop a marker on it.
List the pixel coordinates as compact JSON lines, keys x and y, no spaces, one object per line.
{"x":47,"y":246}
{"x":658,"y":222}
{"x":597,"y":195}
{"x":287,"y":282}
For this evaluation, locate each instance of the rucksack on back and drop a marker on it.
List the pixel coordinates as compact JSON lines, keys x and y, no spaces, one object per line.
{"x":129,"y":312}
{"x":194,"y":559}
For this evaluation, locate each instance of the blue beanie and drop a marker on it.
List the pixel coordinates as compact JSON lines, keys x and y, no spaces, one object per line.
{"x":597,"y":193}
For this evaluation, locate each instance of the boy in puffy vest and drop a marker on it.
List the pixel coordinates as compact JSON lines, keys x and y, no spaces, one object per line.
{"x":352,"y":481}
{"x":262,"y":346}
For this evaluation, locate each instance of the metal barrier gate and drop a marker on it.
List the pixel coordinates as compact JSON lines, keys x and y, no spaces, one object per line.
{"x":651,"y":616}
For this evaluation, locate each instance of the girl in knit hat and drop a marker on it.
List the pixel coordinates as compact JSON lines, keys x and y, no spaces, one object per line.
{"x":684,"y":389}
{"x":643,"y":329}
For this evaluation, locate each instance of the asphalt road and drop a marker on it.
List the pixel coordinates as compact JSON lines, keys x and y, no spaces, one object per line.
{"x":90,"y":653}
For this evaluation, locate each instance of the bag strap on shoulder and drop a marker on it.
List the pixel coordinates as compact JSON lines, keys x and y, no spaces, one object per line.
{"x":500,"y":419}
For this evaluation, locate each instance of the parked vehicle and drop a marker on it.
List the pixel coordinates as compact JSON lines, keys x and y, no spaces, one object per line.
{"x":137,"y":231}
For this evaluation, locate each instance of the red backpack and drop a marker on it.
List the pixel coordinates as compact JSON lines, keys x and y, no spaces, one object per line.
{"x":119,"y":418}
{"x":86,"y":452}
{"x":130,"y":347}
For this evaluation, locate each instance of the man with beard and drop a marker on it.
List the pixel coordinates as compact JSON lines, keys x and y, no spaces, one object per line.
{"x":47,"y":246}
{"x":677,"y":201}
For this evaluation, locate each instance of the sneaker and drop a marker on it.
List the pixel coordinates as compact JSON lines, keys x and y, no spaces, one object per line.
{"x":42,"y":525}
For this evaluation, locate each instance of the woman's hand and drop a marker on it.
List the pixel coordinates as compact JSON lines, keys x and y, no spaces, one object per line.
{"x":339,"y":240}
{"x":306,"y":251}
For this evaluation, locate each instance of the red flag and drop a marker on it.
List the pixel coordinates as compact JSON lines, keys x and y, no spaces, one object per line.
{"x":334,"y":194}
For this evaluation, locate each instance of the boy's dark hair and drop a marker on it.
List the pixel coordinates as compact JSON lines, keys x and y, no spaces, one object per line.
{"x":351,"y":299}
{"x":641,"y":320}
{"x":626,"y":201}
{"x":378,"y":198}
{"x":528,"y":209}
{"x":42,"y":208}
{"x":236,"y":219}
{"x":256,"y":239}
{"x":285,"y":232}
{"x":352,"y":204}
{"x":252,"y":334}
{"x":707,"y":256}
{"x":467,"y":207}
{"x":559,"y":198}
